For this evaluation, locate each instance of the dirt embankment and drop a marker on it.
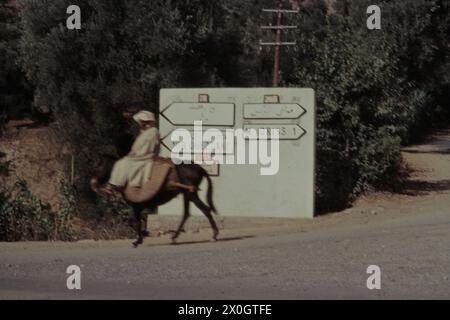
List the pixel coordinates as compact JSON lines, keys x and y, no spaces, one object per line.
{"x":33,"y":155}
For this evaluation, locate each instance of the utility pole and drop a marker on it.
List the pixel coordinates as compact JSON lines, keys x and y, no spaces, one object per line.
{"x":279,"y":28}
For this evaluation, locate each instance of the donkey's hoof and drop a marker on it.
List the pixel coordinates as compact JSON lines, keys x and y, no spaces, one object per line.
{"x":215,"y":235}
{"x":174,"y":240}
{"x":136,"y":244}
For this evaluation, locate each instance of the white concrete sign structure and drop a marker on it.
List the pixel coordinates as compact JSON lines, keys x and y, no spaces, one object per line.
{"x":240,"y":190}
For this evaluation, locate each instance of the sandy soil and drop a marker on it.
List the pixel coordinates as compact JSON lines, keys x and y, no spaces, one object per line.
{"x":34,"y":157}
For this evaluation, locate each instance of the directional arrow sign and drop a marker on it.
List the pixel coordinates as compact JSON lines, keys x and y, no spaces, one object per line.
{"x":273,"y":111}
{"x":219,"y":145}
{"x":287,"y":131}
{"x":212,"y":114}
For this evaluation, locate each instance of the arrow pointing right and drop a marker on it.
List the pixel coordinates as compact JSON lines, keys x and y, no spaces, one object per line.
{"x":287,"y":131}
{"x":273,"y":111}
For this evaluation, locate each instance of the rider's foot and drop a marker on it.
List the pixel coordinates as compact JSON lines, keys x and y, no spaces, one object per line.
{"x":192,"y":189}
{"x":111,"y":191}
{"x":106,"y":191}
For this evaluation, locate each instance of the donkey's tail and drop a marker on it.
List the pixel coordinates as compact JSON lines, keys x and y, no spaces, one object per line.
{"x":209,"y":194}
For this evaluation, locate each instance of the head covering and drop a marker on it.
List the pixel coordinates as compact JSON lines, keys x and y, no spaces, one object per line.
{"x":144,"y":116}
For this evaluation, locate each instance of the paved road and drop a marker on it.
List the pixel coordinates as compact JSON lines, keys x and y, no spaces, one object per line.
{"x":412,"y":252}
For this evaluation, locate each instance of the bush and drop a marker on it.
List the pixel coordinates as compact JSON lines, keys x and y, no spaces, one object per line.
{"x":23,"y":217}
{"x":372,"y":93}
{"x":112,"y":220}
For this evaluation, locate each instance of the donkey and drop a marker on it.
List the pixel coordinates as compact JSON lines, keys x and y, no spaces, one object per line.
{"x":189,"y":174}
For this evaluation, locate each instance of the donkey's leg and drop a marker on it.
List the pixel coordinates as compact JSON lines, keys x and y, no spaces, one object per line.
{"x":144,"y":226}
{"x":186,"y":215}
{"x":207,"y":212}
{"x":182,"y":186}
{"x":138,"y":217}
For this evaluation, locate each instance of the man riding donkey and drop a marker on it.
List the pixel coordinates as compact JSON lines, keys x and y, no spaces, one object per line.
{"x":136,"y":168}
{"x":146,"y":181}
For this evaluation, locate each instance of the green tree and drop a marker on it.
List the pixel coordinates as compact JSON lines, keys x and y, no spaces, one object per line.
{"x":15,"y":91}
{"x":374,"y":88}
{"x":124,"y":53}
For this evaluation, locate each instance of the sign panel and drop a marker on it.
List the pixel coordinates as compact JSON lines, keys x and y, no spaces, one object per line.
{"x":286,"y":131}
{"x":212,"y":114}
{"x":216,"y":144}
{"x":287,"y":189}
{"x":273,"y":111}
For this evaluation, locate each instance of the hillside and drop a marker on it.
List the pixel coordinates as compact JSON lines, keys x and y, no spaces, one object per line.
{"x":33,"y":155}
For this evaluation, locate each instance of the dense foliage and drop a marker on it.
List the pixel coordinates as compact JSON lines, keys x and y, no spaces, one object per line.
{"x":375,"y":89}
{"x":23,"y":217}
{"x":15,"y":91}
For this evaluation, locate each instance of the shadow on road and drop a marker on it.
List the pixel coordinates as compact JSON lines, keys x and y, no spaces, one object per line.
{"x":208,"y":241}
{"x":418,"y":187}
{"x":427,"y":151}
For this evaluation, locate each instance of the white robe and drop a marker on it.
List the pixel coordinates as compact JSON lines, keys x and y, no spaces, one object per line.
{"x":136,"y":168}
